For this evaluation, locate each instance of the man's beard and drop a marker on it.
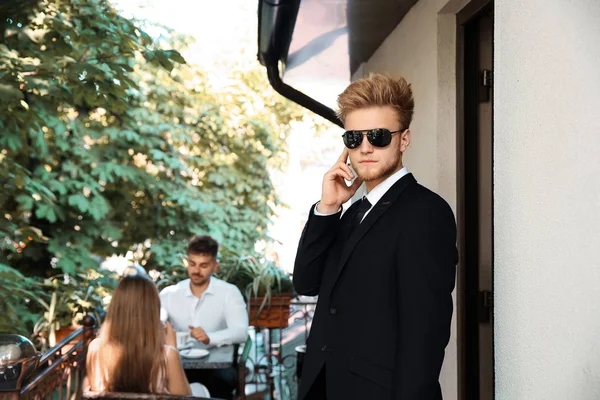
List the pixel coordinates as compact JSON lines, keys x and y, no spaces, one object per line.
{"x":367,"y":174}
{"x":198,"y":281}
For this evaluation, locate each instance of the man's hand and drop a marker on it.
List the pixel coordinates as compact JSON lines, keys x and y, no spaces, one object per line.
{"x":199,"y":334}
{"x":335,"y":192}
{"x":170,"y":336}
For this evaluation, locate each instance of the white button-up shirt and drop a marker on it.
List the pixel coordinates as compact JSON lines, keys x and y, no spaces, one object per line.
{"x":220,"y":311}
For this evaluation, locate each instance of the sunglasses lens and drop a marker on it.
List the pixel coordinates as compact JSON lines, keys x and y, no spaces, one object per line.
{"x":379,"y":137}
{"x":352,"y":139}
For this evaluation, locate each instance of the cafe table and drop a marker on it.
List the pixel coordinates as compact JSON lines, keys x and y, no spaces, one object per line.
{"x":218,"y":357}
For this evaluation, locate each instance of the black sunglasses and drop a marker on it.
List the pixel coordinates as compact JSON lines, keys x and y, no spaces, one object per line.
{"x":379,"y":137}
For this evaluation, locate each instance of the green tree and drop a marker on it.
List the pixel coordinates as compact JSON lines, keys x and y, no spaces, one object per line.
{"x":110,"y":142}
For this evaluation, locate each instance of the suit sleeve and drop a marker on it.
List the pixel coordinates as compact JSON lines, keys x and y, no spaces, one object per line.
{"x":426,"y":273}
{"x":317,"y":239}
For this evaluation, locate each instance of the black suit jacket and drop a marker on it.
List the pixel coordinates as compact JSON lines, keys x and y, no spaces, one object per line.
{"x":383,"y":315}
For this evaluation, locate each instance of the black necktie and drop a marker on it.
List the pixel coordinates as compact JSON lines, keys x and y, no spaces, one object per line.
{"x":361,"y":209}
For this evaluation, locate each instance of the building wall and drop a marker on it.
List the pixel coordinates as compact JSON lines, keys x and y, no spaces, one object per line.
{"x":422,"y":49}
{"x":410,"y":51}
{"x":547,"y":199}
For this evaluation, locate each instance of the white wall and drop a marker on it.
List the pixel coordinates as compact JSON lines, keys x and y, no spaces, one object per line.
{"x":547,"y":199}
{"x":422,"y":49}
{"x":410,"y":51}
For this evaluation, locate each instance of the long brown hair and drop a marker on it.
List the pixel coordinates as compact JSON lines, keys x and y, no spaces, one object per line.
{"x":134,"y":334}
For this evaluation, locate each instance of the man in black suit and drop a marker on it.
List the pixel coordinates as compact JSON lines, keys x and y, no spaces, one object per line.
{"x":385,"y":269}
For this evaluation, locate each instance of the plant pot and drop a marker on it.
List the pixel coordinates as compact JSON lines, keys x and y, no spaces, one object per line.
{"x":274,"y":314}
{"x":65,"y":331}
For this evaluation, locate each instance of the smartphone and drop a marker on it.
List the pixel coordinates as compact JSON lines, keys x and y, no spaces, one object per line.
{"x":349,"y":164}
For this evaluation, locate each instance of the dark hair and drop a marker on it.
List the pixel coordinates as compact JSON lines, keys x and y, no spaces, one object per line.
{"x":203,"y":245}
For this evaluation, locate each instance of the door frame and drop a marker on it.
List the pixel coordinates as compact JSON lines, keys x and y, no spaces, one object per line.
{"x":467,"y":90}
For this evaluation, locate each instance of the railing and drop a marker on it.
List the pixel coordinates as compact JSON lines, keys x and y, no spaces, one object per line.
{"x":272,"y":362}
{"x":303,"y":310}
{"x":61,"y":370}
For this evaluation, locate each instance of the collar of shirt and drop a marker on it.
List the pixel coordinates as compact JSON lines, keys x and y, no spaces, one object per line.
{"x":188,"y":287}
{"x":378,"y":191}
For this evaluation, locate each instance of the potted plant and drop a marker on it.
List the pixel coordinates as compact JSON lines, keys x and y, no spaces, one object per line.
{"x":268,"y":289}
{"x":18,"y":294}
{"x":70,"y":299}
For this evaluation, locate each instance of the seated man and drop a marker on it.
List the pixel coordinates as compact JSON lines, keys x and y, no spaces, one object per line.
{"x":212,"y":310}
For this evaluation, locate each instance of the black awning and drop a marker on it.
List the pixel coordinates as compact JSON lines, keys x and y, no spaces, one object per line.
{"x":306,"y":45}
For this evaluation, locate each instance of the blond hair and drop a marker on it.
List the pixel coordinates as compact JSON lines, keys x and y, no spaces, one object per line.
{"x":133,"y":333}
{"x":378,"y":90}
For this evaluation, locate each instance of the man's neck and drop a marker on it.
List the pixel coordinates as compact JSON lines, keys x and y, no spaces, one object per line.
{"x":373,"y":184}
{"x":198,"y":290}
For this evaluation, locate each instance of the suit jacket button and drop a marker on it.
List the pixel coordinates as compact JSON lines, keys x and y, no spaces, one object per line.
{"x":324,"y":348}
{"x":332,"y":311}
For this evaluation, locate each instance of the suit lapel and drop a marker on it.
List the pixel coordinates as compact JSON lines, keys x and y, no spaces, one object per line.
{"x":376,"y":212}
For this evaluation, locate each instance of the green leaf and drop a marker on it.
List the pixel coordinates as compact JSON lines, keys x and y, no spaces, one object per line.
{"x":163,"y":59}
{"x":10,"y":93}
{"x":10,"y":140}
{"x":67,"y":265}
{"x":40,"y":142}
{"x":45,"y":211}
{"x":79,"y":201}
{"x":56,"y":124}
{"x":26,"y":201}
{"x":99,"y":207}
{"x":130,"y":135}
{"x":57,"y":186}
{"x":175,"y":56}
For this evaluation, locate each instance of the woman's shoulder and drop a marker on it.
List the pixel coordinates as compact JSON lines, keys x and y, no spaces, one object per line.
{"x":95,"y":347}
{"x":95,"y":344}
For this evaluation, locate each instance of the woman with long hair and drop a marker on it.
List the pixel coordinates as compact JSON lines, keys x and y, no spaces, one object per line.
{"x":134,"y":352}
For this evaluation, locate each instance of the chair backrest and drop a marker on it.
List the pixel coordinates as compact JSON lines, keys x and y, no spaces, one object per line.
{"x":142,"y":396}
{"x":246,"y":351}
{"x":240,"y":365}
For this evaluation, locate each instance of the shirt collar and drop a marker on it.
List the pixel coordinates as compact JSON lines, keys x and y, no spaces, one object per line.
{"x":211,"y":286}
{"x":378,"y":191}
{"x":187,"y":287}
{"x":209,"y":290}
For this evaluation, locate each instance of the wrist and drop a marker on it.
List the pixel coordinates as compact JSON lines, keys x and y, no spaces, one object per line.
{"x":327,"y":209}
{"x":174,"y":348}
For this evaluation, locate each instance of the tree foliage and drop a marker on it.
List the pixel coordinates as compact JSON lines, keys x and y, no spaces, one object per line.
{"x":111,"y":142}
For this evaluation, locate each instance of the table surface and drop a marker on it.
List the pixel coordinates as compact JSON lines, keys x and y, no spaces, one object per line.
{"x":218,"y":358}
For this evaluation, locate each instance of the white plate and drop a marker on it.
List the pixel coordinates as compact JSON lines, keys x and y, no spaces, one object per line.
{"x":194,"y":353}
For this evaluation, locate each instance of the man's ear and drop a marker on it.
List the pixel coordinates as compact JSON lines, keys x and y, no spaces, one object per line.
{"x":404,"y":140}
{"x":217,"y":267}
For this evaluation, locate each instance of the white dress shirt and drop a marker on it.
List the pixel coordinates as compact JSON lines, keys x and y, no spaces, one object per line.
{"x":377,"y":193}
{"x":220,"y":311}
